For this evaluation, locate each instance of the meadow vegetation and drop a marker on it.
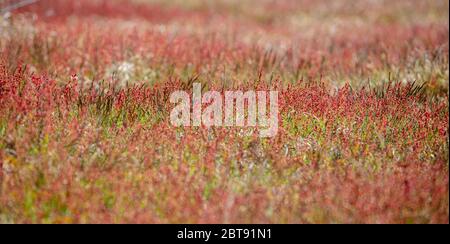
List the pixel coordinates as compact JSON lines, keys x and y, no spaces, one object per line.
{"x":363,"y":137}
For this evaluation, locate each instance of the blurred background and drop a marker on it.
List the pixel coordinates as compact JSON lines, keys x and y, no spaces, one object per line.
{"x":344,"y":41}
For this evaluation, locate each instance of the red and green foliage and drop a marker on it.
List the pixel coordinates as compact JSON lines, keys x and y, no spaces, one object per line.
{"x":84,"y":112}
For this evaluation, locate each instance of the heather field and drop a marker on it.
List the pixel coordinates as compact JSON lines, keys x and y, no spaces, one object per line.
{"x":85,"y":133}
